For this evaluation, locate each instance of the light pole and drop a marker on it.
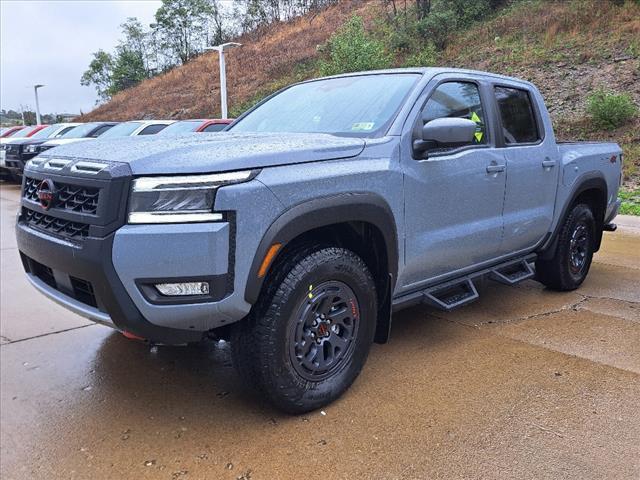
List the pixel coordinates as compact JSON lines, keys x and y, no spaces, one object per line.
{"x":35,"y":89}
{"x":223,"y":73}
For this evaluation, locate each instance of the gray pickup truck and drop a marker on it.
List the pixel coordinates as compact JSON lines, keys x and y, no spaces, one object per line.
{"x":333,"y":203}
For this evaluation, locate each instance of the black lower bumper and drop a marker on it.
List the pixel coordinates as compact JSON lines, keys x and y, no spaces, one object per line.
{"x":84,"y":272}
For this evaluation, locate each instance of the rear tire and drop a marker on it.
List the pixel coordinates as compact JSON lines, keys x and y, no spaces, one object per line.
{"x":310,"y":332}
{"x":569,"y":266}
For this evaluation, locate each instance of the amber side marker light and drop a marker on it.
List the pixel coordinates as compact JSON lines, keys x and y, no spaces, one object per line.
{"x":268,"y":258}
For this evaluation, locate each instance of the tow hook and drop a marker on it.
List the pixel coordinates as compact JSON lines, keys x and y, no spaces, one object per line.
{"x":610,"y":227}
{"x":132,"y":336}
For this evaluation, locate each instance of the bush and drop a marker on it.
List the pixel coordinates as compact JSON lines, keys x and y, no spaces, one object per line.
{"x":610,"y":110}
{"x":352,"y":49}
{"x":438,"y":26}
{"x":424,"y":58}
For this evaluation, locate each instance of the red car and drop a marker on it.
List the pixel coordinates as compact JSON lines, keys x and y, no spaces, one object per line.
{"x":23,"y":132}
{"x":200,"y":125}
{"x":10,"y":131}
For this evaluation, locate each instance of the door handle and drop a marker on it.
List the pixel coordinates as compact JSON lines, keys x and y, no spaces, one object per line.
{"x":548,"y":163}
{"x":495,"y":168}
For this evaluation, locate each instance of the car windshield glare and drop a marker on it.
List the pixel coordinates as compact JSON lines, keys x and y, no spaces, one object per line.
{"x":355,"y":105}
{"x":184,"y":126}
{"x":121,"y":130}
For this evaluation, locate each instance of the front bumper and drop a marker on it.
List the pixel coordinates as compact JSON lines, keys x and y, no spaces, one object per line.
{"x":69,"y":273}
{"x":108,"y":279}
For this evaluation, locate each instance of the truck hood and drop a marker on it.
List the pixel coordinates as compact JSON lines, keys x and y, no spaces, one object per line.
{"x":215,"y":152}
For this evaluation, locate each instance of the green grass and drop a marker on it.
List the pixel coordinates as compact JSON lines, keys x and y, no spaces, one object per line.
{"x":630,"y":202}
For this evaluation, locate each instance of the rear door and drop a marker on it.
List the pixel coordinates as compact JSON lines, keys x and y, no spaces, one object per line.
{"x":453,"y":196}
{"x":532,"y":166}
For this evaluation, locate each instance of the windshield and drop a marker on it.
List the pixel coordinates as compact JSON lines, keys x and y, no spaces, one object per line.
{"x":121,"y":130}
{"x":80,"y":131}
{"x":184,"y":126}
{"x":44,"y":133}
{"x":346,"y":105}
{"x":15,"y":133}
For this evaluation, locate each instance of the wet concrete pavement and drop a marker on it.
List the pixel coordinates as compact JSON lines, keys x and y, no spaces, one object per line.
{"x":524,"y":383}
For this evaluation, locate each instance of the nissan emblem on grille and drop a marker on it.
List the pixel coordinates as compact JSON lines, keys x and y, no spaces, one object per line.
{"x":47,"y":193}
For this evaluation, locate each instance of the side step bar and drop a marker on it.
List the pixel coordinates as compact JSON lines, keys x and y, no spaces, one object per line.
{"x":456,"y":293}
{"x":513,"y":273}
{"x":448,"y":297}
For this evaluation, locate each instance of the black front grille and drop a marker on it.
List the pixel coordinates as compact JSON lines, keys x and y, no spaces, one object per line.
{"x":55,"y":225}
{"x":70,"y":197}
{"x":30,"y":191}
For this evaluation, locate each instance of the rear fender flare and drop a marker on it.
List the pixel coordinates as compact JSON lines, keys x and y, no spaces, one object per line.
{"x":588,"y":181}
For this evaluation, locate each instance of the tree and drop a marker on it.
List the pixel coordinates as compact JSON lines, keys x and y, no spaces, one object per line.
{"x":128,"y":70}
{"x":182,"y":26}
{"x":136,"y":40}
{"x":99,"y":74}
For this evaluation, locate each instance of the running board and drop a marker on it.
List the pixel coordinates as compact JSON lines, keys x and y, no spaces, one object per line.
{"x":460,"y":291}
{"x":453,"y":295}
{"x":512,"y":273}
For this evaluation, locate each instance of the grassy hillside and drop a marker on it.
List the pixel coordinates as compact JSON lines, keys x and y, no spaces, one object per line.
{"x":568,"y":48}
{"x":268,"y":59}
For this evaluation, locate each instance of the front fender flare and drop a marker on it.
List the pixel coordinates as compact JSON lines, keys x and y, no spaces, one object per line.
{"x":321,"y":212}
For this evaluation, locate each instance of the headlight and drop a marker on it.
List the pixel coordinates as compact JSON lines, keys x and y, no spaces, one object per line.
{"x":179,"y":199}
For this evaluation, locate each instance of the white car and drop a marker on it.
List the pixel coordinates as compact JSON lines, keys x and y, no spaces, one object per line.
{"x":90,"y":131}
{"x":137,"y":127}
{"x":83,"y":132}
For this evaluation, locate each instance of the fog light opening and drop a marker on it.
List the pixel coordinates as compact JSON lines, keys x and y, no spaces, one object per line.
{"x":183,"y":289}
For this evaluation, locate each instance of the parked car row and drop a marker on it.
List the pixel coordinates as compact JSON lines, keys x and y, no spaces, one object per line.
{"x":19,"y":144}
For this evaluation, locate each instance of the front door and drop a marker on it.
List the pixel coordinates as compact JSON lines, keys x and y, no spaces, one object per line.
{"x":453,"y":197}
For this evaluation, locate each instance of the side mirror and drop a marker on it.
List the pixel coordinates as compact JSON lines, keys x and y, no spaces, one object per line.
{"x":445,"y":132}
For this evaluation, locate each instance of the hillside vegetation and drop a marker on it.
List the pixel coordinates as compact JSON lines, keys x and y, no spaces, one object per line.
{"x":569,"y":49}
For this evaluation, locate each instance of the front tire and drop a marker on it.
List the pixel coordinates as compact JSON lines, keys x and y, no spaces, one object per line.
{"x":569,"y":266}
{"x":309,"y":335}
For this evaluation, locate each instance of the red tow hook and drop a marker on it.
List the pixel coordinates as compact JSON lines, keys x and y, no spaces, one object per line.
{"x":132,"y":336}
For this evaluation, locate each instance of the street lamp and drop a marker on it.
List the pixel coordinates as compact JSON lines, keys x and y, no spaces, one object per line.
{"x":35,"y":89}
{"x":223,"y":73}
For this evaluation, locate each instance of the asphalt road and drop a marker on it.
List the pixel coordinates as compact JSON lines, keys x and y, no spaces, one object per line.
{"x":524,"y":383}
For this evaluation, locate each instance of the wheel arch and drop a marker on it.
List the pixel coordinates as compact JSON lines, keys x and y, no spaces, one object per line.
{"x":590,"y":189}
{"x":362,"y":222}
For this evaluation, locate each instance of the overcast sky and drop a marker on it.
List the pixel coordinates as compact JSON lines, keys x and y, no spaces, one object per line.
{"x":51,"y":41}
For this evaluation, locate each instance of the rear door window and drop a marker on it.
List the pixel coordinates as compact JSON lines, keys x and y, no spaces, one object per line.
{"x":153,"y":129}
{"x":215,"y":127}
{"x":518,"y":118}
{"x":100,"y":131}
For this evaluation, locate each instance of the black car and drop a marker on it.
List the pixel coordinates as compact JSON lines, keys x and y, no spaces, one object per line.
{"x":18,"y":152}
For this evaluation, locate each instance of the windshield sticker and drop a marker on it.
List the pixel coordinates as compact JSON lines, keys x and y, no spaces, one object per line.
{"x":362,"y":126}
